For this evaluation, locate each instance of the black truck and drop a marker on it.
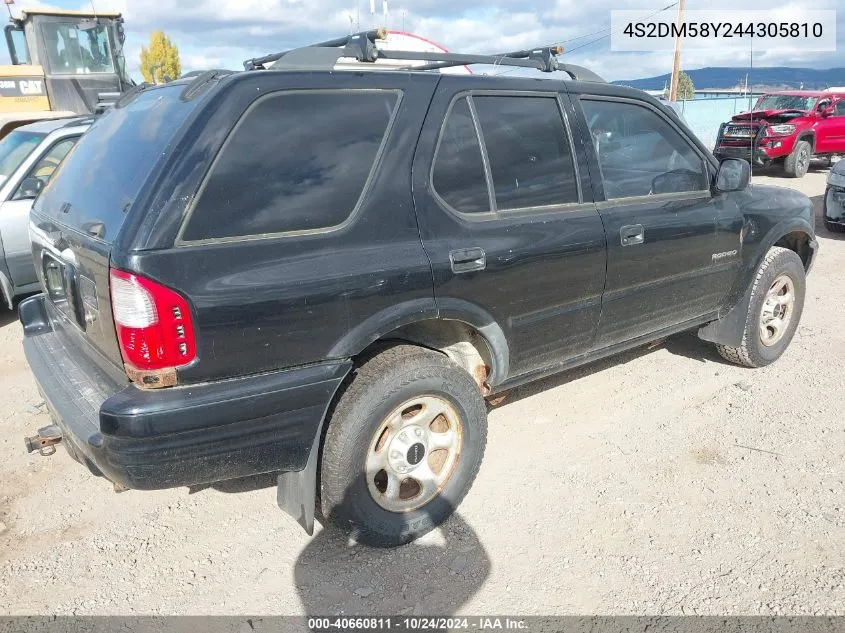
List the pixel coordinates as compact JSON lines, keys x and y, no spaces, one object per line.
{"x":324,"y":274}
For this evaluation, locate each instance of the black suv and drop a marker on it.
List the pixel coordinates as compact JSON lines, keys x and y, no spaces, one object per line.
{"x":323,"y":274}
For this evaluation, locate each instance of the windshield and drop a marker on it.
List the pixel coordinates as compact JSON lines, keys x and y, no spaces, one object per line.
{"x":78,"y":48}
{"x":112,"y":161}
{"x":15,"y":148}
{"x":785,"y":102}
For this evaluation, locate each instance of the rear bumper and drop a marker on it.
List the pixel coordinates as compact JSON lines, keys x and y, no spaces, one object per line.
{"x":182,"y":435}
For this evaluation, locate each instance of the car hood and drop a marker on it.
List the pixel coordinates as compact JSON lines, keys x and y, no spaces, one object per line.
{"x":770,"y":116}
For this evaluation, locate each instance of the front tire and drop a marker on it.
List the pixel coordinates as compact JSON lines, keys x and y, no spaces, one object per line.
{"x":777,"y":301}
{"x":403,"y":446}
{"x":798,"y":161}
{"x":834,"y":227}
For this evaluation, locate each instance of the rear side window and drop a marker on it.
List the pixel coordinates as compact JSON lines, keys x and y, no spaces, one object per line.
{"x":528,"y":149}
{"x":112,"y":161}
{"x":458,"y":174}
{"x":297,"y":161}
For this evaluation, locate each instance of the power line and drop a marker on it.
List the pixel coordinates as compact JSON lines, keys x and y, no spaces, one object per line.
{"x":666,"y":8}
{"x":581,"y":37}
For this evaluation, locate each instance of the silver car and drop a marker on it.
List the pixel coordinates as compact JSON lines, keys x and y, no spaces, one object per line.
{"x":28,"y":157}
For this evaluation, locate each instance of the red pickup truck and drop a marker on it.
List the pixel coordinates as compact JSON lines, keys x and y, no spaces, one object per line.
{"x":789,"y":128}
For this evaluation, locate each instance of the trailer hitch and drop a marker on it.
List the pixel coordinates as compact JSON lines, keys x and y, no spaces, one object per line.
{"x":45,"y":442}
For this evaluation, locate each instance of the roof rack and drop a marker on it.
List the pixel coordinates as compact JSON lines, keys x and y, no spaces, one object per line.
{"x":80,"y":120}
{"x":362,"y":47}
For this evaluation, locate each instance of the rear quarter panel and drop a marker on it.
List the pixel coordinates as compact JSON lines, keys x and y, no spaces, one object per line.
{"x":265,"y":304}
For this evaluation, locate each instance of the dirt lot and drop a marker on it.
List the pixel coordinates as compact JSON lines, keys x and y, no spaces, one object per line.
{"x":660,"y":481}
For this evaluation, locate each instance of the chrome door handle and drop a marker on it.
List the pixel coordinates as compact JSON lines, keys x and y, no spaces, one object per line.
{"x":465,"y":260}
{"x":632,"y":234}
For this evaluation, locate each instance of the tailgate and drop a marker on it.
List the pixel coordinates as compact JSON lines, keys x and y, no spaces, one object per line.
{"x":77,"y":219}
{"x":74,"y":273}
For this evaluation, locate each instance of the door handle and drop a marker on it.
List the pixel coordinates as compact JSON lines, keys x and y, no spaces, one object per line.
{"x":632,"y":234}
{"x":466,"y":260}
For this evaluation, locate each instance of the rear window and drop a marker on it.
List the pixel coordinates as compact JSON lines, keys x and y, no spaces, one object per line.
{"x":297,"y":161}
{"x":111,"y":162}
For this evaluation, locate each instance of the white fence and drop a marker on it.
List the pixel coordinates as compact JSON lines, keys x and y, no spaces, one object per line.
{"x":704,"y":116}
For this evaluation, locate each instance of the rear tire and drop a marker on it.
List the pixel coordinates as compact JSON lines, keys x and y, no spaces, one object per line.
{"x":772,"y":316}
{"x":380,"y":440}
{"x":798,"y":162}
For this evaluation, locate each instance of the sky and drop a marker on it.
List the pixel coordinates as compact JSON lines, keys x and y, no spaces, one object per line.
{"x":222,"y":33}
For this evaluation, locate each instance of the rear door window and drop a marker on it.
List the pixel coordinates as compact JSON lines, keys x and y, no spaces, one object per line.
{"x":458,"y":174}
{"x":112,"y":161}
{"x":296,"y":162}
{"x":528,"y":149}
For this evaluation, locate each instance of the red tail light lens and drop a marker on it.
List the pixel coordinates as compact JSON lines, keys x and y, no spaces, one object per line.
{"x":153,"y":323}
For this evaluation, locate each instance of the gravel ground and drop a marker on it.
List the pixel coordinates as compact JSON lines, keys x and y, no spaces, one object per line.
{"x":662,"y":481}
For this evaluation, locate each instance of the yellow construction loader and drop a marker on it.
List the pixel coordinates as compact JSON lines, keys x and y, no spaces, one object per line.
{"x":63,"y":63}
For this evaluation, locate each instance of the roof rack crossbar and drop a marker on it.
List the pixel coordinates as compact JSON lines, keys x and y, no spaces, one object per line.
{"x":578,"y":73}
{"x":457,"y":59}
{"x":362,"y":47}
{"x":361,"y":40}
{"x":544,"y":58}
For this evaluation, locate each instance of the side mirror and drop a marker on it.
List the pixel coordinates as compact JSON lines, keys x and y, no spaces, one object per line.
{"x":734,"y":175}
{"x":29,"y":189}
{"x":828,"y":111}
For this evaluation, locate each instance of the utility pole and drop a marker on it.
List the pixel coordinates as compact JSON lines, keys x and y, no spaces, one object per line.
{"x":676,"y":66}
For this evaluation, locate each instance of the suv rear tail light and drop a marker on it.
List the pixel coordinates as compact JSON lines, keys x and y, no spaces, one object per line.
{"x":153,"y":323}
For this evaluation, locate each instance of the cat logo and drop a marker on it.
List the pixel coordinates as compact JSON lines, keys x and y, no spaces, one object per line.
{"x":31,"y":87}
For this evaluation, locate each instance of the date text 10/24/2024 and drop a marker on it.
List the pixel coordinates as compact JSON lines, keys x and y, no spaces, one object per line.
{"x":420,"y":623}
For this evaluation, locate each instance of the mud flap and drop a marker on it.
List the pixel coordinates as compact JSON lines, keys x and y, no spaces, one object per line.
{"x":296,"y":492}
{"x":728,"y":330}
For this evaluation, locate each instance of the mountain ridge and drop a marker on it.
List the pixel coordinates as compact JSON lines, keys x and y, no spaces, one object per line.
{"x":726,"y":77}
